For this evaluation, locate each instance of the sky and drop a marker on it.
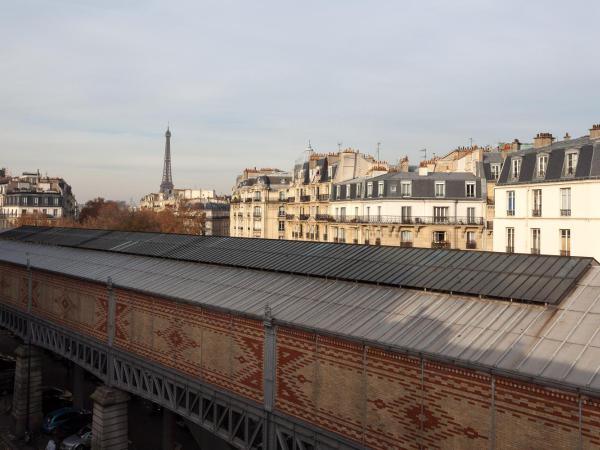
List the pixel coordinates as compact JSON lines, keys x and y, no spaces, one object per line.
{"x":88,"y":87}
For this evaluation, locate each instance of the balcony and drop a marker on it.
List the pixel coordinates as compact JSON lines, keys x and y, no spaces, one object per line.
{"x":291,"y":199}
{"x":339,"y":240}
{"x":565,"y":212}
{"x":248,"y":200}
{"x":510,"y":212}
{"x":535,"y":251}
{"x":325,"y":217}
{"x":510,"y":249}
{"x":536,"y":212}
{"x":257,"y":215}
{"x":325,"y":237}
{"x":355,"y":241}
{"x":366,"y":242}
{"x":378,"y":241}
{"x":440,"y":244}
{"x":565,"y":253}
{"x":471,"y":245}
{"x":404,"y":220}
{"x":305,"y":198}
{"x":406,"y":244}
{"x":290,"y":216}
{"x":323,"y":197}
{"x":304,"y":216}
{"x":281,"y":214}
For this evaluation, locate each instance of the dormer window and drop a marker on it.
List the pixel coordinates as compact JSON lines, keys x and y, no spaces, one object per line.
{"x":542,"y":165}
{"x":515,"y":171}
{"x":571,"y":163}
{"x":370,"y":189}
{"x":380,"y":189}
{"x":440,"y":189}
{"x":359,"y":190}
{"x":338,"y":192}
{"x":406,"y":188}
{"x":347,"y":191}
{"x":495,"y":168}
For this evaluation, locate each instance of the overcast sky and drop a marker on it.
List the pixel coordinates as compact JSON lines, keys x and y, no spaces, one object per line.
{"x":87,"y":87}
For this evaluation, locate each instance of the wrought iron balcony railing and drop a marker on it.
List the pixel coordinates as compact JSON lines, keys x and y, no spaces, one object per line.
{"x":405,"y":220}
{"x":536,"y":212}
{"x":305,"y":198}
{"x":440,"y":244}
{"x":565,"y":212}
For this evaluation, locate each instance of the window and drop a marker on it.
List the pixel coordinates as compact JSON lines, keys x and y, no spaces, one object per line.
{"x":55,"y":212}
{"x":571,"y":163}
{"x":369,"y":189}
{"x":281,"y":225}
{"x":380,"y":189}
{"x":439,"y":237}
{"x":56,"y":201}
{"x":257,"y":195}
{"x":537,"y":203}
{"x":565,"y":201}
{"x":343,"y":213}
{"x":510,"y":203}
{"x":406,"y":188}
{"x":565,"y":242}
{"x":257,"y":211}
{"x":342,"y":235}
{"x":359,"y":190}
{"x":281,"y":196}
{"x":45,"y":200}
{"x":542,"y":165}
{"x":348,"y":191}
{"x":281,"y":211}
{"x":535,"y":241}
{"x":471,"y":242}
{"x":495,"y":171}
{"x":368,"y":212}
{"x":470,"y":189}
{"x":510,"y":240}
{"x":406,"y":238}
{"x":379,"y":213}
{"x":35,"y":201}
{"x":393,"y":188}
{"x":440,"y":214}
{"x":440,"y":189}
{"x":515,"y":168}
{"x":407,"y":214}
{"x":338,"y":192}
{"x":471,"y":215}
{"x":356,"y":211}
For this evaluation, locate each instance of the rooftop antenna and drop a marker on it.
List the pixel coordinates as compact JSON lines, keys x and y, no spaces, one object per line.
{"x":340,"y":146}
{"x":424,"y":150}
{"x":470,"y":142}
{"x":378,"y":146}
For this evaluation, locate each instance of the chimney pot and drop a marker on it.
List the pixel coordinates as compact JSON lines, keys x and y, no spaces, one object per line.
{"x":543,"y":140}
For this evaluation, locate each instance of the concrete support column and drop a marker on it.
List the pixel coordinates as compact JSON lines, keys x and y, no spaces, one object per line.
{"x":27,"y":412}
{"x":78,"y":387}
{"x":168,"y":429}
{"x":109,"y":426}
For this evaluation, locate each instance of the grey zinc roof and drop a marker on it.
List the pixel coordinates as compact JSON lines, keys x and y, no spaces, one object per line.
{"x":521,"y":277}
{"x":588,"y":165}
{"x":556,"y":345}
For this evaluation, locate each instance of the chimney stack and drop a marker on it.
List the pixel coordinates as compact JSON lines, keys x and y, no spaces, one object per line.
{"x":542,"y":140}
{"x":567,"y":136}
{"x":515,"y":146}
{"x":595,"y":131}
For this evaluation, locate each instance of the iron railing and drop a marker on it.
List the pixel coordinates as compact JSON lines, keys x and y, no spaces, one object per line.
{"x":305,"y":198}
{"x":304,"y":216}
{"x":440,"y":244}
{"x":565,"y":212}
{"x":510,"y":249}
{"x":471,"y":245}
{"x":406,"y":220}
{"x":536,"y":212}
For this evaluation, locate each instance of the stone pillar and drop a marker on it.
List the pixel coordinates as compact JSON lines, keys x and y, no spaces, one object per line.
{"x":109,"y":425}
{"x":168,"y":429}
{"x":27,"y":414}
{"x":78,"y":387}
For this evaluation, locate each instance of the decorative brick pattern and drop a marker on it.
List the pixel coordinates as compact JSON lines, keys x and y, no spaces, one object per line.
{"x":221,"y":349}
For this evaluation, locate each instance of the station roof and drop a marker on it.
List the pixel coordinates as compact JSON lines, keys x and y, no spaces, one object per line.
{"x":550,"y":344}
{"x":517,"y":277}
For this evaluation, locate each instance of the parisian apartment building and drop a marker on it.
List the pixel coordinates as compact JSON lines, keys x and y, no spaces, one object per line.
{"x":33,"y":193}
{"x":350,"y":197}
{"x":258,"y":203}
{"x":546,"y":197}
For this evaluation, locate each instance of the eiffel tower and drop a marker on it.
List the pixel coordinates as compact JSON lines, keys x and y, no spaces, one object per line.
{"x":166,"y":187}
